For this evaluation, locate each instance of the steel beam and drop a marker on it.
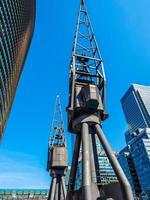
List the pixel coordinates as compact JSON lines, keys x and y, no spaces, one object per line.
{"x":52,"y":190}
{"x":74,"y":166}
{"x":95,"y":158}
{"x":57,"y":191}
{"x":63,"y":187}
{"x":86,"y":172}
{"x":124,"y":183}
{"x":92,"y":161}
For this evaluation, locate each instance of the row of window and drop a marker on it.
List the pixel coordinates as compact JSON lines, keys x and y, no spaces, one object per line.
{"x":15,"y":21}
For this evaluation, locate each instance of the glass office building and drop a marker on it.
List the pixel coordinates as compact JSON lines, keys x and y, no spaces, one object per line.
{"x":135,"y":161}
{"x":104,"y":172}
{"x":140,"y":151}
{"x":135,"y":158}
{"x":16,"y":29}
{"x":107,"y":174}
{"x":126,"y":161}
{"x":136,"y":107}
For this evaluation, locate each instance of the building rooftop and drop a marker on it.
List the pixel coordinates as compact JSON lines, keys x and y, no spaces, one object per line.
{"x":24,"y":194}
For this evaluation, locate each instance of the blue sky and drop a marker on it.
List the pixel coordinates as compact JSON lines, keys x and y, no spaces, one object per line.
{"x":122,"y":30}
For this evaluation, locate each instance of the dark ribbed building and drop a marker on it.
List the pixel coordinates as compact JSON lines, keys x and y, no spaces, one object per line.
{"x":16,"y":29}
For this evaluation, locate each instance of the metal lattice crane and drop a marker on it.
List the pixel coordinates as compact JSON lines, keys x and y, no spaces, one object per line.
{"x":57,"y":155}
{"x":87,"y":110}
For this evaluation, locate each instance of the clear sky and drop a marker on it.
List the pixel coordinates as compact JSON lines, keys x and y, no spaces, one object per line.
{"x":122,"y":29}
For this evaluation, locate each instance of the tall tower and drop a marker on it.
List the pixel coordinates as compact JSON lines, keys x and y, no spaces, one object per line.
{"x":16,"y":29}
{"x":135,"y":158}
{"x":136,"y":107}
{"x":57,"y":155}
{"x":87,"y":110}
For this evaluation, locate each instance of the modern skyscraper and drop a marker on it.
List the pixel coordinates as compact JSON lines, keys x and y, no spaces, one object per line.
{"x":135,"y":157}
{"x":16,"y":29}
{"x":128,"y":166}
{"x":135,"y":161}
{"x":136,"y":107}
{"x":140,"y":152}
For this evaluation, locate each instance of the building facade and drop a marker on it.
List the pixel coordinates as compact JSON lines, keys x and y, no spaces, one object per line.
{"x":135,"y":157}
{"x":135,"y":161}
{"x":16,"y":29}
{"x":126,"y":161}
{"x":136,"y":108}
{"x":140,"y":151}
{"x":107,"y":174}
{"x":104,"y":171}
{"x":24,"y":194}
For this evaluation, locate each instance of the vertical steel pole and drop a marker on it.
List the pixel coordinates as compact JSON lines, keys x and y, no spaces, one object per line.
{"x":63,"y":187}
{"x":62,"y":192}
{"x":95,"y":153}
{"x":52,"y":190}
{"x":74,"y":166}
{"x":124,"y":183}
{"x":93,"y":168}
{"x":57,"y":191}
{"x":86,"y":172}
{"x":59,"y":188}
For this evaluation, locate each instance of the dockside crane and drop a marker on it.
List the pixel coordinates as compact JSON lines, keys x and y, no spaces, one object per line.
{"x":87,"y":111}
{"x":57,"y":155}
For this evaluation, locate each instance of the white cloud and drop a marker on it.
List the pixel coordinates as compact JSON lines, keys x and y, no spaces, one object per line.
{"x":19,"y":170}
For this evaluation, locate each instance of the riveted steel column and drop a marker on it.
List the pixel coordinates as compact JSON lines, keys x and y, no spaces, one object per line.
{"x":124,"y":183}
{"x":74,"y":166}
{"x":86,"y":169}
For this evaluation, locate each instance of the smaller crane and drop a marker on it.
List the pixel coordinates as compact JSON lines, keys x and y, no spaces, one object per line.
{"x":57,"y":155}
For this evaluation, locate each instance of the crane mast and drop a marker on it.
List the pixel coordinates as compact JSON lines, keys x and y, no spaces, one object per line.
{"x":86,"y":111}
{"x":86,"y":71}
{"x":57,"y":155}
